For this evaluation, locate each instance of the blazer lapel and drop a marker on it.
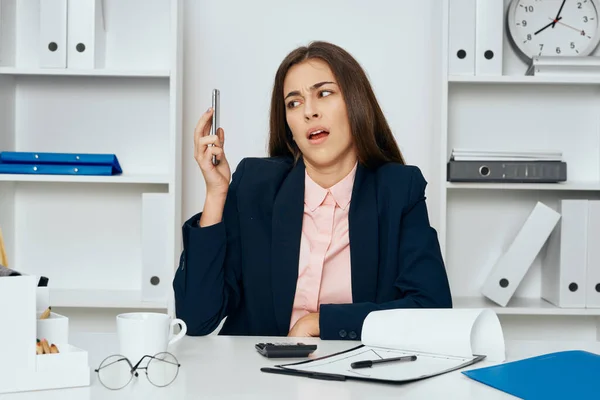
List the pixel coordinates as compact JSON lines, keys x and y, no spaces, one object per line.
{"x":288,"y":211}
{"x":364,"y":236}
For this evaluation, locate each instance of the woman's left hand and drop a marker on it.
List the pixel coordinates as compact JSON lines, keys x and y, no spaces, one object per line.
{"x":306,"y":326}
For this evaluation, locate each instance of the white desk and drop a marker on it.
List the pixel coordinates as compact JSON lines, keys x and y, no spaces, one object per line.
{"x":215,"y":367}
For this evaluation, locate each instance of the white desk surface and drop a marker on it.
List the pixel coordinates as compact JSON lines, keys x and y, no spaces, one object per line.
{"x":219,"y":367}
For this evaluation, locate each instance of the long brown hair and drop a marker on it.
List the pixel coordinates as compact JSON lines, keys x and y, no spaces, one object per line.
{"x":372,"y":135}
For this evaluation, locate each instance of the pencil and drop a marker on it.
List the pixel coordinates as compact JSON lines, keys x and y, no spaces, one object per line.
{"x":3,"y":257}
{"x":53,"y":349}
{"x":38,"y":348}
{"x":45,"y":346}
{"x":46,"y":313}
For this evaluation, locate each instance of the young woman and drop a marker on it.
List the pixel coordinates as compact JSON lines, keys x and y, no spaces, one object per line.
{"x":333,"y":225}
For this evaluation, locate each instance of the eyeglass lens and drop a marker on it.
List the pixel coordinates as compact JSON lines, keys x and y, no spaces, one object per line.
{"x":162,"y":369}
{"x":115,"y":371}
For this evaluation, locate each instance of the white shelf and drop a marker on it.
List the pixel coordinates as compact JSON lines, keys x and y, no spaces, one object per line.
{"x":523,"y":306}
{"x":479,"y":220}
{"x":568,"y":186}
{"x":525,"y":79}
{"x":101,"y":299}
{"x":129,"y":105}
{"x":125,"y":178}
{"x":85,"y":72}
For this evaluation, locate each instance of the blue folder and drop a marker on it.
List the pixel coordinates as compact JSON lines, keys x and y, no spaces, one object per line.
{"x":14,"y":162}
{"x":572,"y":374}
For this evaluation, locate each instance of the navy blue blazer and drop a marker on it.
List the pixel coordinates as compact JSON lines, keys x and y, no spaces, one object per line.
{"x":245,"y":267}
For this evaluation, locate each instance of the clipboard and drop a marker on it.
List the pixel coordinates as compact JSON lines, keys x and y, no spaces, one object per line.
{"x":337,"y":366}
{"x":469,"y":336}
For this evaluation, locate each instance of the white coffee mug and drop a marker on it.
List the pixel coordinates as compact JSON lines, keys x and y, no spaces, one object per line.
{"x":146,"y":333}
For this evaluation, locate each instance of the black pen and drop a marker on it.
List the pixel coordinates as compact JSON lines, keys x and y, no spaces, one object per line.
{"x":308,"y":374}
{"x":369,"y":363}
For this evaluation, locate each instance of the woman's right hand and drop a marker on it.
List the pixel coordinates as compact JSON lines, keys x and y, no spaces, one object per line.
{"x":216,"y":177}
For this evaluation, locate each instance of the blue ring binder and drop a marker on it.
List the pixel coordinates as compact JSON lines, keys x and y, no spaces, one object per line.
{"x":44,"y":163}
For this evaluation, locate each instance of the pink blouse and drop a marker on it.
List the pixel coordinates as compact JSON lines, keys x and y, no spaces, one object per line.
{"x":324,"y":265}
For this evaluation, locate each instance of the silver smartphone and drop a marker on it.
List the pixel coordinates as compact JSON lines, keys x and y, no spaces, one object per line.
{"x":216,"y":100}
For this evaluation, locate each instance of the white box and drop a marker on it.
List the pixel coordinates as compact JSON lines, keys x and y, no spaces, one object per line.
{"x":8,"y":31}
{"x":86,"y":35}
{"x":511,"y":267}
{"x":21,"y":368}
{"x":69,"y":368}
{"x":461,"y":37}
{"x":566,"y":66}
{"x":42,"y":299}
{"x":53,"y":34}
{"x":155,"y":261}
{"x":55,"y":329}
{"x":564,"y":266}
{"x":17,"y":312}
{"x":592,"y":290}
{"x":489,"y":37}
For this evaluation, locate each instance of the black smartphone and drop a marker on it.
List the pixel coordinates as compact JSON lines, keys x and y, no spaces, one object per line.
{"x":216,"y":104}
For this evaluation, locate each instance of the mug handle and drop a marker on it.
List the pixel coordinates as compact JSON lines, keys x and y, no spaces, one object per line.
{"x":175,"y":338}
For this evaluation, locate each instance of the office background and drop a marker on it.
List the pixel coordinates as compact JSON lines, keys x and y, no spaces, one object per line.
{"x":236,"y":46}
{"x":239,"y":52}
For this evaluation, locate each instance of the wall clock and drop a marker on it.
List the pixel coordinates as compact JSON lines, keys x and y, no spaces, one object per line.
{"x":553,"y":27}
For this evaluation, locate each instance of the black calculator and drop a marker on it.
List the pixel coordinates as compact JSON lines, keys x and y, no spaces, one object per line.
{"x":285,"y":350}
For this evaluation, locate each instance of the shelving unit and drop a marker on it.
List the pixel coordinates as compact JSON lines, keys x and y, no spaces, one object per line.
{"x":124,"y":178}
{"x":82,"y":72}
{"x":524,"y":306}
{"x":103,"y":298}
{"x":479,"y":220}
{"x":531,"y":80}
{"x":561,"y":186}
{"x":89,"y":234}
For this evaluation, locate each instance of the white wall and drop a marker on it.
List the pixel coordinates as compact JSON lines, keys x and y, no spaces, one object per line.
{"x":236,"y":46}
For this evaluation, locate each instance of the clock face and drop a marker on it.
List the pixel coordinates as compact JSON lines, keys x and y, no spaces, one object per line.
{"x":554,"y":27}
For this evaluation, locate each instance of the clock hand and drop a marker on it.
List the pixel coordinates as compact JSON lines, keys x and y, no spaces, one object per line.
{"x":569,"y":26}
{"x":549,"y":25}
{"x":558,"y":15}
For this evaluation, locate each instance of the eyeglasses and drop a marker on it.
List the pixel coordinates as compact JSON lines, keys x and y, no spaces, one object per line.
{"x":116,"y":371}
